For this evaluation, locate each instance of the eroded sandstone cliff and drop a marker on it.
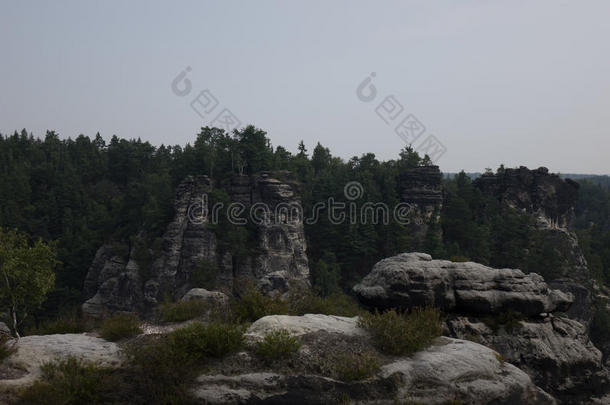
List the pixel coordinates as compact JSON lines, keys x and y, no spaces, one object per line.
{"x":190,"y":245}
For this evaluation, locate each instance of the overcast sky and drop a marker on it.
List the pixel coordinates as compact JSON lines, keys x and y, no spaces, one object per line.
{"x":519,"y":83}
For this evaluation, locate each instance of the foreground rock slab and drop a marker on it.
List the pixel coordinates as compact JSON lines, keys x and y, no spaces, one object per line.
{"x":414,"y":279}
{"x":306,"y":324}
{"x":33,"y":351}
{"x":449,"y":370}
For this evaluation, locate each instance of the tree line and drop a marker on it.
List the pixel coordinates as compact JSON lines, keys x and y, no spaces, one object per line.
{"x":83,"y":192}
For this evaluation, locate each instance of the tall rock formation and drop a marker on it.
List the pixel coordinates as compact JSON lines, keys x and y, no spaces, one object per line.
{"x":550,"y":199}
{"x":421,"y":188}
{"x":517,"y":315}
{"x":190,"y":246}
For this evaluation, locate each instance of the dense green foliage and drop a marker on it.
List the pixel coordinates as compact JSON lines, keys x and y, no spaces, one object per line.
{"x":71,"y":382}
{"x":277,"y":345}
{"x":67,"y":322}
{"x":120,"y":326}
{"x":215,"y":339}
{"x":183,"y":310}
{"x":83,"y":192}
{"x":26,"y":274}
{"x":252,"y":305}
{"x":402,"y":333}
{"x":355,"y":366}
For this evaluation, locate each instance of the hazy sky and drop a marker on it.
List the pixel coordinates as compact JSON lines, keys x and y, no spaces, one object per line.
{"x":520,"y":83}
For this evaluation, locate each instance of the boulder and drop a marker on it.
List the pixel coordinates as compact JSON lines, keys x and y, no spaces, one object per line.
{"x":213,"y":297}
{"x":302,"y":325}
{"x":4,"y":330}
{"x":33,"y":351}
{"x":413,"y":279}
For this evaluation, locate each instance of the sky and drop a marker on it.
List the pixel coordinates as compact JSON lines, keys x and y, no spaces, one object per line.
{"x":479,"y":83}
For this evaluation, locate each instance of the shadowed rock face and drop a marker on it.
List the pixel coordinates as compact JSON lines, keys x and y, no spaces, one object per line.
{"x":548,"y":196}
{"x":414,"y":280}
{"x":113,"y":282}
{"x":550,"y":199}
{"x":421,"y":188}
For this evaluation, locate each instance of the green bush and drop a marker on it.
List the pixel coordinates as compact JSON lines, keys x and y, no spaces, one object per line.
{"x":70,"y":382}
{"x":336,"y":304}
{"x":355,"y":366}
{"x":70,"y":322}
{"x":120,"y":326}
{"x":277,"y":345}
{"x":6,"y":348}
{"x":183,"y":310}
{"x":161,"y":372}
{"x":253,"y":305}
{"x":215,"y":339}
{"x":403,"y":333}
{"x":205,"y":275}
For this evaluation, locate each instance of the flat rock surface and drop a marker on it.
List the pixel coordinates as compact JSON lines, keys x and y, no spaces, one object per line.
{"x":34,"y":351}
{"x":301,"y":325}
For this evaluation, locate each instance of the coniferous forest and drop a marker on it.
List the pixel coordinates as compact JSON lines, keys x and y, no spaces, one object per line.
{"x":78,"y":193}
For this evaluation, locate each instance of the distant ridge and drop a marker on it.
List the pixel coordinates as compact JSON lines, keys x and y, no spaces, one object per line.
{"x":599,"y":179}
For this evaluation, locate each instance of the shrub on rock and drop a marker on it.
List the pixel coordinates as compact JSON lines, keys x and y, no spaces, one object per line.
{"x":183,"y":310}
{"x":120,"y":326}
{"x":252,"y":305}
{"x":200,"y":341}
{"x":355,"y":366}
{"x":402,"y":333}
{"x":277,"y":345}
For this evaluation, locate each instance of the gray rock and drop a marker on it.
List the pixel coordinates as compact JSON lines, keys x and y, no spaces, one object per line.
{"x":113,"y":281}
{"x":217,"y":302}
{"x":556,"y":352}
{"x":4,"y":330}
{"x":414,"y":279}
{"x":302,"y":325}
{"x":421,"y":189}
{"x":205,"y":295}
{"x":449,"y":370}
{"x":33,"y":351}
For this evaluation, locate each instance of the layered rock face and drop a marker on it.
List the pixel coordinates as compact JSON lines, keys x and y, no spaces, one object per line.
{"x":555,"y":351}
{"x":421,"y":188}
{"x":414,"y":280}
{"x":548,"y":196}
{"x":550,"y":199}
{"x":481,"y":304}
{"x":451,"y":370}
{"x":190,"y":244}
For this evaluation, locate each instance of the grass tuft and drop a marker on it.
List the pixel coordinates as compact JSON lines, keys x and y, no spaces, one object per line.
{"x":277,"y":345}
{"x":120,"y":326}
{"x":403,"y":333}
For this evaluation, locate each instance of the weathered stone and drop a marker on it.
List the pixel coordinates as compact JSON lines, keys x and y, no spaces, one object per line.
{"x":302,"y":325}
{"x":550,"y":200}
{"x":414,"y":279}
{"x":33,"y":351}
{"x":421,"y":189}
{"x":548,"y":196}
{"x":556,"y":352}
{"x":4,"y":330}
{"x":449,"y":370}
{"x":190,"y":244}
